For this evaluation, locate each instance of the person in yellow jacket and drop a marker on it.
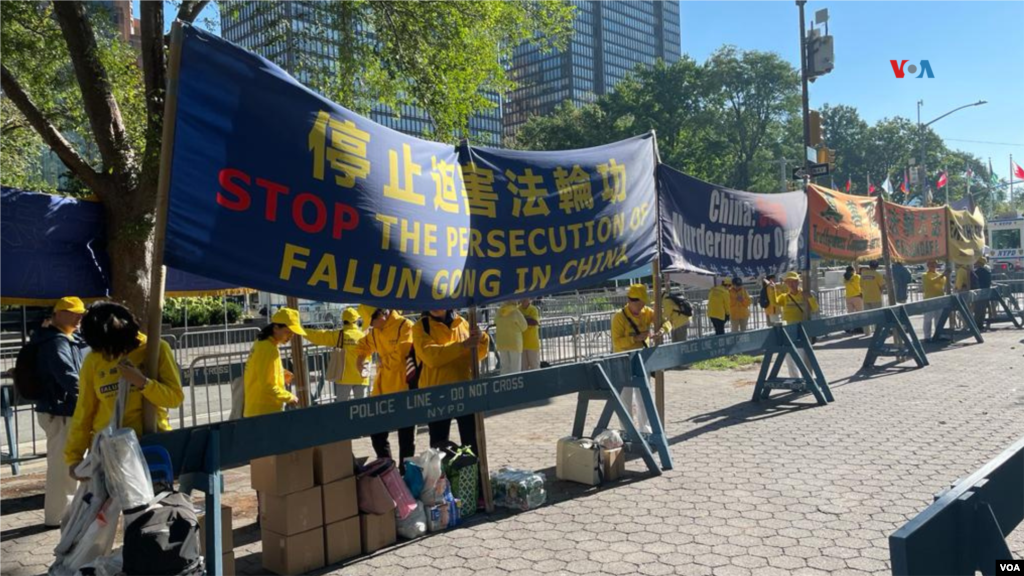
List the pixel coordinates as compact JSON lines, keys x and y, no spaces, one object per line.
{"x":265,"y":377}
{"x":444,"y":343}
{"x":933,"y":284}
{"x":672,"y":309}
{"x":872,"y":284}
{"x":389,"y":336}
{"x":118,"y":353}
{"x":739,"y":305}
{"x":773,"y":289}
{"x":509,"y":327}
{"x":854,"y":294}
{"x":794,"y":303}
{"x":353,"y":385}
{"x":632,"y":330}
{"x":531,"y":338}
{"x":718,"y":305}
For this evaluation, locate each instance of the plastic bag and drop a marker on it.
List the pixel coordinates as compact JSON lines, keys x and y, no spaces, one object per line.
{"x":415,"y":524}
{"x":518,"y":489}
{"x":413,"y":476}
{"x":125,"y":468}
{"x":109,"y":565}
{"x":430,"y":463}
{"x":96,"y":541}
{"x":609,"y":439}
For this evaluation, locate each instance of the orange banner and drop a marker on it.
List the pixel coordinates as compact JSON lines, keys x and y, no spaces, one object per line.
{"x":915,"y":234}
{"x":843,"y":226}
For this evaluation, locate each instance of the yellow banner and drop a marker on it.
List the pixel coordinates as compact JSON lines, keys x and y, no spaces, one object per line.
{"x":843,"y":227}
{"x":915,"y":234}
{"x":966,"y":235}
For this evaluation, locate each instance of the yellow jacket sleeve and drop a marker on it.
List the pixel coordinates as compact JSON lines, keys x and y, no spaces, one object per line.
{"x":80,"y":430}
{"x":814,"y":303}
{"x":328,"y":338}
{"x":267,"y":375}
{"x":434,"y":354}
{"x":622,"y":333}
{"x":166,"y":390}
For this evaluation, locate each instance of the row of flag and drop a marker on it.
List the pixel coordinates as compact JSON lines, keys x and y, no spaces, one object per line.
{"x":943,"y":180}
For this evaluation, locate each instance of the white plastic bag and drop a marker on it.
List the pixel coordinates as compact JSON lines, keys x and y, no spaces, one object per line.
{"x":110,"y":565}
{"x":415,"y":524}
{"x":96,"y":541}
{"x":609,"y":439}
{"x":430,"y":463}
{"x":125,"y":468}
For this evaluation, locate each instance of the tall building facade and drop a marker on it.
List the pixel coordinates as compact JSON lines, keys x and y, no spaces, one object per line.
{"x":272,"y":30}
{"x":609,"y":40}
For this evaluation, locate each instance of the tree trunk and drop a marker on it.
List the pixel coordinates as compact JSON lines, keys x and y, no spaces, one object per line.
{"x":129,"y":243}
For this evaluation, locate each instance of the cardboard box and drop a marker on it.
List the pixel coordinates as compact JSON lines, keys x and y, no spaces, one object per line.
{"x":379,"y":531}
{"x":227,"y":563}
{"x":343,"y":540}
{"x":283,"y":474}
{"x":576,"y":463}
{"x":227,"y":538}
{"x":614,"y":463}
{"x":293,"y":513}
{"x":296,"y":554}
{"x":340,"y":500}
{"x":333,"y":462}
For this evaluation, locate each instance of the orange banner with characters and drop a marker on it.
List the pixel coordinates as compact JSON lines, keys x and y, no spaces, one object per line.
{"x":843,"y":226}
{"x":915,"y":234}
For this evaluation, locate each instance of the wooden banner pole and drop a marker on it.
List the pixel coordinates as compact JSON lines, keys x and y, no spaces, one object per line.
{"x":659,"y":288}
{"x":157,"y":273}
{"x":481,"y":430}
{"x":298,"y":361}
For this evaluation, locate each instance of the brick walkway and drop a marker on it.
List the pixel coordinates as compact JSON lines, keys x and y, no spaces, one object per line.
{"x":777,"y":488}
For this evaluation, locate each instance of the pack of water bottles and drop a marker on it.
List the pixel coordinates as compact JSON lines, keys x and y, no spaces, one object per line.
{"x":518,"y":489}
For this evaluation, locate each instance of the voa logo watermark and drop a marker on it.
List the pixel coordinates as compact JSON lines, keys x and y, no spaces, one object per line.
{"x":898,"y":70}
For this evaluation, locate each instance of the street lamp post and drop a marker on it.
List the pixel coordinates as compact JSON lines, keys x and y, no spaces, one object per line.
{"x":920,"y":128}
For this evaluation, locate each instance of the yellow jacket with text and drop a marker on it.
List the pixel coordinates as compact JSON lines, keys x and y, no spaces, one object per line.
{"x":934,"y":284}
{"x":349,"y":338}
{"x":872,"y":284}
{"x":718,"y":302}
{"x":265,"y":391}
{"x":853,"y":286}
{"x":391,"y":343}
{"x":793,"y":305}
{"x":739,"y":304}
{"x":97,"y":397}
{"x":509,"y":327}
{"x":531,"y":338}
{"x":445,"y":360}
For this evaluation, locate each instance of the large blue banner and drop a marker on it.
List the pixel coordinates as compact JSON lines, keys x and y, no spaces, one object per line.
{"x":709,"y":229}
{"x":56,"y":246}
{"x":275,"y":187}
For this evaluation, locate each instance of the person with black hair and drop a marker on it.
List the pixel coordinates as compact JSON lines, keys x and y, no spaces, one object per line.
{"x":444,"y":343}
{"x":265,"y":376}
{"x":118,"y":354}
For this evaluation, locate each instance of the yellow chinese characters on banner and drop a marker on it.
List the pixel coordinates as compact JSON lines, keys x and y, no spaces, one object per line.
{"x":843,"y":226}
{"x":966,"y":236}
{"x":915,"y":234}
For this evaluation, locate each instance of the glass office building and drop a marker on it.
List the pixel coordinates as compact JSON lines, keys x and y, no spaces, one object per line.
{"x":272,"y":30}
{"x":609,"y":40}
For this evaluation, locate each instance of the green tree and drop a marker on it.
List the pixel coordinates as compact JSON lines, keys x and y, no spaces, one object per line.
{"x":82,"y":91}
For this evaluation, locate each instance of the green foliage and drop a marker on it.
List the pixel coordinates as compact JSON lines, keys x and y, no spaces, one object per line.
{"x":724,"y":121}
{"x":201,"y":311}
{"x":737,"y":362}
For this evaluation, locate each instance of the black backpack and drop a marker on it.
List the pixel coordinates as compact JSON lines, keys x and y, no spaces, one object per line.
{"x":762,"y":298}
{"x":163,"y":538}
{"x":682,"y":304}
{"x":26,"y":373}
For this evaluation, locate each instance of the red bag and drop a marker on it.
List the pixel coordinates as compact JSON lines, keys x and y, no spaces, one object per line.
{"x":373,"y":495}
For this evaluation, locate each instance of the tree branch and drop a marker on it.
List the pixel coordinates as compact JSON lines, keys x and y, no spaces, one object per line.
{"x":97,"y":93}
{"x":53,"y":138}
{"x":190,"y":9}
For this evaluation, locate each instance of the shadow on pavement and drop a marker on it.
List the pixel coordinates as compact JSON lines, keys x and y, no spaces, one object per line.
{"x":23,"y":532}
{"x":21,"y":504}
{"x":744,"y":412}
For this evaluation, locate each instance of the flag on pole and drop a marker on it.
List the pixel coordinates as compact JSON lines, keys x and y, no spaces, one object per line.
{"x":871,"y":187}
{"x":849,"y":182}
{"x":906,"y":178}
{"x":969,"y":173}
{"x":943,"y":180}
{"x":1018,"y":171}
{"x":887,"y":185}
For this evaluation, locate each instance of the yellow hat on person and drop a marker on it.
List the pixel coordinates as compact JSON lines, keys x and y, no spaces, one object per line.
{"x":290,"y":318}
{"x":638,"y":292}
{"x":726,"y":281}
{"x":366,"y":312}
{"x":793,"y":275}
{"x":349,"y":315}
{"x":981,"y":260}
{"x":70,"y":304}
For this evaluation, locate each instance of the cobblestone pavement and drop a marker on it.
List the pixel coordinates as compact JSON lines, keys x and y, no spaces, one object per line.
{"x":781,"y":487}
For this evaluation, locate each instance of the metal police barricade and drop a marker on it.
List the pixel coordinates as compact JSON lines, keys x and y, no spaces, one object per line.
{"x":204,"y":451}
{"x":965,"y":529}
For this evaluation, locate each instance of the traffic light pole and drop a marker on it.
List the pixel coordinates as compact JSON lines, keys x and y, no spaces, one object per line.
{"x":808,"y":274}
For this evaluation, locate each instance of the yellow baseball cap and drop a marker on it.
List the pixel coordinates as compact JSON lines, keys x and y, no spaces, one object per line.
{"x":366,"y":312}
{"x":349,"y":315}
{"x":726,"y":281}
{"x":791,"y":276}
{"x":290,"y":318}
{"x":638,"y":292}
{"x":70,"y":304}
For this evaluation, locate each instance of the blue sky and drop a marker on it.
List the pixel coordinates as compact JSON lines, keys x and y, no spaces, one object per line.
{"x":976,"y":50}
